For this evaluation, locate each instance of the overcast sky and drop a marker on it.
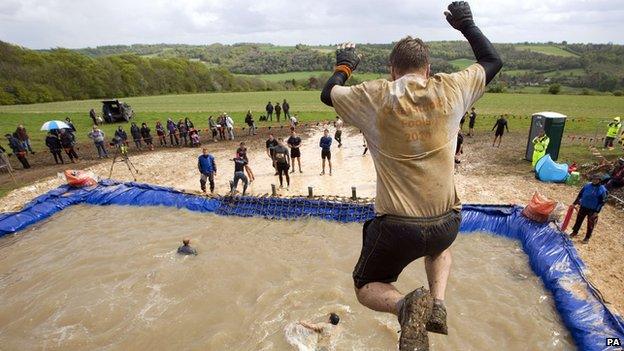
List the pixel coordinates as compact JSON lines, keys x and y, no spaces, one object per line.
{"x":42,"y":24}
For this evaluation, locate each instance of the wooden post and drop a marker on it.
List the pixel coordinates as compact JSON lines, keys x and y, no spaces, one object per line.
{"x":310,"y":192}
{"x":273,"y":190}
{"x":353,"y":193}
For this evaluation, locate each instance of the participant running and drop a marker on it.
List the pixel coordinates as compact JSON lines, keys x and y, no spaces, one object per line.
{"x":242,"y":152}
{"x":338,"y":135}
{"x":239,"y":174}
{"x":500,"y":126}
{"x":294,"y":143}
{"x":411,"y":123}
{"x":325,"y":145}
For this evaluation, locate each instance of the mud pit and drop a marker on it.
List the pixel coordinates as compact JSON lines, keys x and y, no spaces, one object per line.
{"x":486,"y":175}
{"x":94,"y":277}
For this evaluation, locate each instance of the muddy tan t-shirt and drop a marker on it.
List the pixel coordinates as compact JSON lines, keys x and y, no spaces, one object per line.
{"x":411,"y":126}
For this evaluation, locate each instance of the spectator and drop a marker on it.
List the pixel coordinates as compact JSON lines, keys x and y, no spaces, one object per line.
{"x":183,"y":132}
{"x":213,"y":128}
{"x":325,"y":145}
{"x":282,"y":163}
{"x":459,"y":149}
{"x":250,"y":122}
{"x":135,"y":131}
{"x":338,"y":135}
{"x":500,"y":126}
{"x":67,"y":142}
{"x":160,"y":131}
{"x":93,"y":116}
{"x":22,"y":136}
{"x":229,"y":124}
{"x":189,"y":125}
{"x":208,"y":170}
{"x":278,"y":111}
{"x":462,"y":121}
{"x":173,"y":132}
{"x":70,"y":124}
{"x":269,"y":111}
{"x":97,"y":136}
{"x":294,"y":142}
{"x":147,"y":137}
{"x":612,"y":132}
{"x":591,"y":198}
{"x":616,"y":180}
{"x":194,"y":136}
{"x":221,"y":126}
{"x":271,"y":143}
{"x":18,"y":149}
{"x":121,"y":135}
{"x":471,"y":122}
{"x":293,"y":122}
{"x":54,"y":144}
{"x":286,"y":108}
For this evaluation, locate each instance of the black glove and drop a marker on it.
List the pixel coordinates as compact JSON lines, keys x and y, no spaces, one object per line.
{"x":459,"y":15}
{"x":346,"y":55}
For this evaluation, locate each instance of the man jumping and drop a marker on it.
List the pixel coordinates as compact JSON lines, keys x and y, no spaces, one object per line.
{"x":411,"y":123}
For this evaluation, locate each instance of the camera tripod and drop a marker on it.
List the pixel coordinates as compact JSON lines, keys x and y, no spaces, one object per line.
{"x":121,"y":155}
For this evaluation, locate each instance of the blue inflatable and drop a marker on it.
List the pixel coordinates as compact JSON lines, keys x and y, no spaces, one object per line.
{"x":552,"y":255}
{"x":548,"y":170}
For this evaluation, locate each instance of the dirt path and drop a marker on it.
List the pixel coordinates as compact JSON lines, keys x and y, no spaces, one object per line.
{"x":486,"y":175}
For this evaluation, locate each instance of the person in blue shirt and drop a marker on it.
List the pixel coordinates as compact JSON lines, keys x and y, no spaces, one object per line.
{"x":325,"y":145}
{"x":591,"y":198}
{"x":208,"y":169}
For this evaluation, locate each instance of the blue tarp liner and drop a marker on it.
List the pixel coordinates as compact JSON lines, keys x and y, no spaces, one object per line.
{"x":548,"y":170}
{"x":552,"y":255}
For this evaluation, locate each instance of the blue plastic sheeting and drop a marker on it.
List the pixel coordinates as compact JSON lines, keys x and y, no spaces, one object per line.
{"x":551,"y":254}
{"x":548,"y":170}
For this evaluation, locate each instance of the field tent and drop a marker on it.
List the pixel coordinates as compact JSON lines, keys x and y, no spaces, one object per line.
{"x":548,"y":170}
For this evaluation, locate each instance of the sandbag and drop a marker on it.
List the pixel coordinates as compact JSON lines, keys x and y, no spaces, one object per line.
{"x":77,"y":178}
{"x":548,"y":171}
{"x":539,"y":208}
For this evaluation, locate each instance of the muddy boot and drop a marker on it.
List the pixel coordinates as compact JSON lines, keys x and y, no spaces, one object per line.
{"x":437,"y":320}
{"x":413,"y":316}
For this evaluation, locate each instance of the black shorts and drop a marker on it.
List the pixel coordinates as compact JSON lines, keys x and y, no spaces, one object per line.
{"x":326,"y":154}
{"x":471,"y":124}
{"x":499,"y":133}
{"x":390,"y":243}
{"x":282,"y":166}
{"x":295,"y":152}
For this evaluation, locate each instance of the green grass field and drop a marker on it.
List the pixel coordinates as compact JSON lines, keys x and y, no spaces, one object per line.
{"x":462,"y":63}
{"x":546,"y":50}
{"x":280,"y":77}
{"x":589,"y":112}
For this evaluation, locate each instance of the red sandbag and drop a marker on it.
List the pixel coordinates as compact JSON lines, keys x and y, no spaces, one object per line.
{"x":79,"y":178}
{"x":539,"y":208}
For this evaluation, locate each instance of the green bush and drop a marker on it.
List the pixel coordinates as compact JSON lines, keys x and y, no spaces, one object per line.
{"x":618,"y":93}
{"x":554,"y":89}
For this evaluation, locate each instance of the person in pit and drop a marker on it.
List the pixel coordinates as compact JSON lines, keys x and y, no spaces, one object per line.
{"x":414,"y":219}
{"x":326,"y":331}
{"x":186,"y":248}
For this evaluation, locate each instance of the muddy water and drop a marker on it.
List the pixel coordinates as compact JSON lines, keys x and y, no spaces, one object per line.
{"x":109,"y":278}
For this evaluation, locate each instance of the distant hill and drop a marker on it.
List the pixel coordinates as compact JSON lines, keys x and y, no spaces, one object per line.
{"x":29,"y":76}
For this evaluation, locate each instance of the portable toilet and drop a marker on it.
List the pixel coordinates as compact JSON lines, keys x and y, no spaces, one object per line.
{"x":553,"y":124}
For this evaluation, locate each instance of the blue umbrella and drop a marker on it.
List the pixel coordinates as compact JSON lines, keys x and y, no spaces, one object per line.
{"x":50,"y":125}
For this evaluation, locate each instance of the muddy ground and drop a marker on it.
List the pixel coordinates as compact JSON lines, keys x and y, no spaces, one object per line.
{"x":486,"y":175}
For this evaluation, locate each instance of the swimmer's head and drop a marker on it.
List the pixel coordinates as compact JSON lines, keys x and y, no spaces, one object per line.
{"x":186,"y":241}
{"x":334,"y":319}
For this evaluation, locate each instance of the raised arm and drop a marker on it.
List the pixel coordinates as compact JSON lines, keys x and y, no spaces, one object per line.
{"x":460,"y":18}
{"x":346,"y":62}
{"x":314,"y":327}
